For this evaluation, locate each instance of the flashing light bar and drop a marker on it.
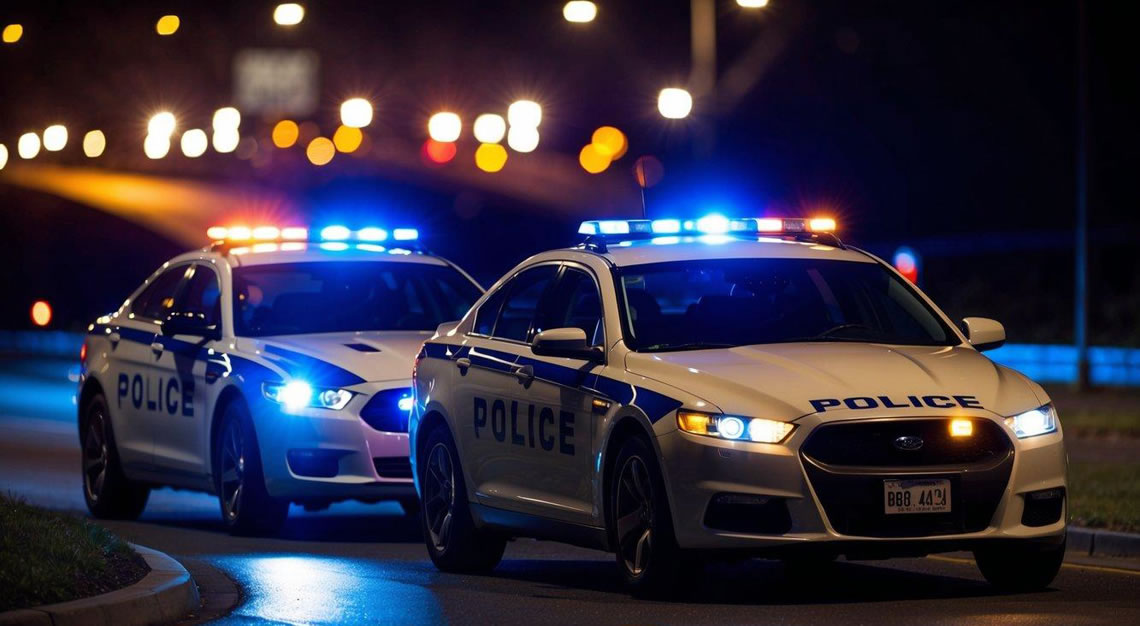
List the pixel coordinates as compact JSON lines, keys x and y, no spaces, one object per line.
{"x":710,"y":225}
{"x":331,"y":233}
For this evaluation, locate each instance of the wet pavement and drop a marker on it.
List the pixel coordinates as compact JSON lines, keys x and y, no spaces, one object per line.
{"x":356,"y":563}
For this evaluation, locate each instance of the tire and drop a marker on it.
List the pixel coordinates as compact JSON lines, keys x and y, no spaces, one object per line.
{"x":1020,"y":567}
{"x":247,"y":508}
{"x":453,"y":542}
{"x":108,"y":492}
{"x":641,"y":524}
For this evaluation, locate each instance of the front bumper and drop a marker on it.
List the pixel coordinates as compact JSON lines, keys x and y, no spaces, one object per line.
{"x":323,"y":455}
{"x":799,"y":504}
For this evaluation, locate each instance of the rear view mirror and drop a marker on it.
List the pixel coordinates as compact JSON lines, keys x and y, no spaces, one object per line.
{"x":984,"y":333}
{"x":569,"y":343}
{"x":190,"y":323}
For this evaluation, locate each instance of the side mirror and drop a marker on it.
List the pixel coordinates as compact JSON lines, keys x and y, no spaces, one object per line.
{"x":984,"y":333}
{"x":190,"y":323}
{"x":569,"y":343}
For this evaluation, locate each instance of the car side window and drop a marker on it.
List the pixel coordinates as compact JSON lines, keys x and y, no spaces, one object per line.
{"x":487,"y":314}
{"x":574,"y":303}
{"x":203,"y":293}
{"x":157,"y":300}
{"x":524,"y":293}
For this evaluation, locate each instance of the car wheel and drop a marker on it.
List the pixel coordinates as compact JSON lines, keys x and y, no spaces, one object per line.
{"x":641,"y":525}
{"x":247,"y":508}
{"x":453,"y":542}
{"x":1020,"y":567}
{"x":108,"y":492}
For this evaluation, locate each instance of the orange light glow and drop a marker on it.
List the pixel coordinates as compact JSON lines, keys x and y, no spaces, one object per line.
{"x":239,"y":233}
{"x":592,"y":160}
{"x":320,"y":151}
{"x":961,"y":428}
{"x":41,"y":313}
{"x":438,"y":152}
{"x":285,"y":133}
{"x":609,"y":141}
{"x":347,"y":139}
{"x":217,"y":233}
{"x":491,"y":157}
{"x":821,"y":225}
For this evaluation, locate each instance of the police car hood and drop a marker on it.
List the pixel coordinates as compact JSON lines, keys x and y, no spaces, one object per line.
{"x":788,"y":381}
{"x":342,"y":359}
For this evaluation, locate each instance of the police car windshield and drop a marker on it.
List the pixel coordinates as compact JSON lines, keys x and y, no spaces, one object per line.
{"x":335,"y":296}
{"x":719,"y":303}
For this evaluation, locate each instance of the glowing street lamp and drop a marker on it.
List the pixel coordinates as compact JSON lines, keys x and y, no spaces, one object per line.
{"x":522,"y":138}
{"x":226,"y":118}
{"x":580,"y":11}
{"x":524,"y":113}
{"x":489,"y":128}
{"x":156,"y":146}
{"x":55,"y":137}
{"x":674,"y":103}
{"x":288,"y":14}
{"x":445,"y":126}
{"x":194,"y":143}
{"x":752,"y":4}
{"x":167,"y":25}
{"x":161,"y":124}
{"x":356,"y":113}
{"x":28,"y":145}
{"x":94,"y":142}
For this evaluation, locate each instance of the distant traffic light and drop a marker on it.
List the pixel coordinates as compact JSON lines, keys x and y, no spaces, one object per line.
{"x":906,"y":261}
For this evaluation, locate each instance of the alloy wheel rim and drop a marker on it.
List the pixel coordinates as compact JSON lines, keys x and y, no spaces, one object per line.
{"x":439,"y":495}
{"x":233,"y":470}
{"x":634,"y":515}
{"x":95,"y":456}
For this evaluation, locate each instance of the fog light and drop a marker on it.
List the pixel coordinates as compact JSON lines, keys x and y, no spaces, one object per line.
{"x":961,"y":428}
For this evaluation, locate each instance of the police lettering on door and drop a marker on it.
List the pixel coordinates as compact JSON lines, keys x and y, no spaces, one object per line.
{"x":157,"y":393}
{"x":539,"y":427}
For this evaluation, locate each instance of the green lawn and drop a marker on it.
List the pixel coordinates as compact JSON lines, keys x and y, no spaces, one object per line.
{"x":1105,"y":495}
{"x":1111,"y":412}
{"x":48,"y":557}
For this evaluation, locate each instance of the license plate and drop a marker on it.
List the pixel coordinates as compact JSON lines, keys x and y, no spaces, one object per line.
{"x":916,"y":496}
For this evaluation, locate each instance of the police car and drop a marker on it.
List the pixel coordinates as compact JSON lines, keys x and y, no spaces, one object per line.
{"x":675,"y":390}
{"x":270,"y":367}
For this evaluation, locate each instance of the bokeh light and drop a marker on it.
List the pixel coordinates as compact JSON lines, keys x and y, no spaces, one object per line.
{"x":156,"y":146}
{"x":161,"y":124}
{"x":580,"y":11}
{"x":674,"y":103}
{"x":320,"y":151}
{"x":648,"y":171}
{"x":593,"y":160}
{"x":3,"y":156}
{"x":55,"y":137}
{"x":167,"y":25}
{"x":28,"y":145}
{"x":356,"y":112}
{"x":489,"y":128}
{"x":288,"y":14}
{"x":438,"y":152}
{"x":609,"y":141}
{"x":41,"y":313}
{"x":227,"y":118}
{"x":522,"y":138}
{"x":194,"y":143}
{"x":347,"y":139}
{"x":94,"y":143}
{"x":524,"y":113}
{"x":490,"y":157}
{"x":752,"y":4}
{"x":226,"y":141}
{"x":285,"y":133}
{"x":445,"y":126}
{"x":13,"y":33}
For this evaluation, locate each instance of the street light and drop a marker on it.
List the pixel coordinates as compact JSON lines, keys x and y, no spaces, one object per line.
{"x":227,"y":118}
{"x":167,"y":25}
{"x":752,"y":4}
{"x":156,"y":145}
{"x":55,"y":137}
{"x":524,"y":113}
{"x":356,"y":113}
{"x":522,"y":138}
{"x":445,"y":126}
{"x":3,"y":156}
{"x":13,"y":32}
{"x":674,"y":103}
{"x":288,"y":14}
{"x":161,"y":124}
{"x":580,"y":11}
{"x":94,"y":142}
{"x":489,"y":128}
{"x":194,"y":143}
{"x":28,"y":145}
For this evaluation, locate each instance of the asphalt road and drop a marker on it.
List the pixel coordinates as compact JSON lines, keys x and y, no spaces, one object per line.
{"x":365,"y":563}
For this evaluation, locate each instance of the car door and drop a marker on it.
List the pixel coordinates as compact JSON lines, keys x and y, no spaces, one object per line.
{"x":486,"y":383}
{"x":179,"y":427}
{"x":134,"y":367}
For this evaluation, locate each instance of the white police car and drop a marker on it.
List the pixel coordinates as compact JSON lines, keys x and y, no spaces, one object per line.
{"x":267,"y":368}
{"x":672,"y":391}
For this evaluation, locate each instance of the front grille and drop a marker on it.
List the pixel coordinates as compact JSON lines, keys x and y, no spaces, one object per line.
{"x":872,"y":443}
{"x":393,"y":466}
{"x":847,"y":463}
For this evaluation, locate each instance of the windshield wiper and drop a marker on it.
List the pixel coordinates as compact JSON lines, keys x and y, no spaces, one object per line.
{"x":694,"y":345}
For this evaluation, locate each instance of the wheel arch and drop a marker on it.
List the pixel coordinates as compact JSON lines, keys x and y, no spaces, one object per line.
{"x":90,"y":388}
{"x":228,"y":396}
{"x":624,"y":428}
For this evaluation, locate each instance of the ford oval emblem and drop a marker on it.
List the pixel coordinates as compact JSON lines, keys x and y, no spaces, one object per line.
{"x":908,"y":443}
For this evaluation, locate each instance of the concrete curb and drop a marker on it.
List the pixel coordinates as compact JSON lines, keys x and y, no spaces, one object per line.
{"x":1092,"y":541}
{"x":163,"y":595}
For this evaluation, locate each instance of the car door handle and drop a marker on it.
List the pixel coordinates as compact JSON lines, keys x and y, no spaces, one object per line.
{"x":157,"y":347}
{"x":525,"y":374}
{"x":463,"y":363}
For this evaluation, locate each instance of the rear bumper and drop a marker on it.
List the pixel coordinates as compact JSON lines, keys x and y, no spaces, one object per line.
{"x":794,"y":519}
{"x":331,"y":455}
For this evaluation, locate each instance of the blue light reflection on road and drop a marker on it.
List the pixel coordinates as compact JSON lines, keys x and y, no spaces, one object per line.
{"x":321,"y":589}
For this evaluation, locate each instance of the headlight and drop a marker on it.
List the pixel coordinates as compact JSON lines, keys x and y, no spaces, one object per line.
{"x":734,"y":428}
{"x":298,"y":394}
{"x":1040,"y":421}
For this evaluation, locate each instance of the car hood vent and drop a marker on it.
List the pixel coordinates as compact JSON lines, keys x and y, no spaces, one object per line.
{"x":362,"y":347}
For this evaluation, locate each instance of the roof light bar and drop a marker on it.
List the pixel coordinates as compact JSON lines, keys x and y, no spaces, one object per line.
{"x":334,"y":232}
{"x":713,"y":224}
